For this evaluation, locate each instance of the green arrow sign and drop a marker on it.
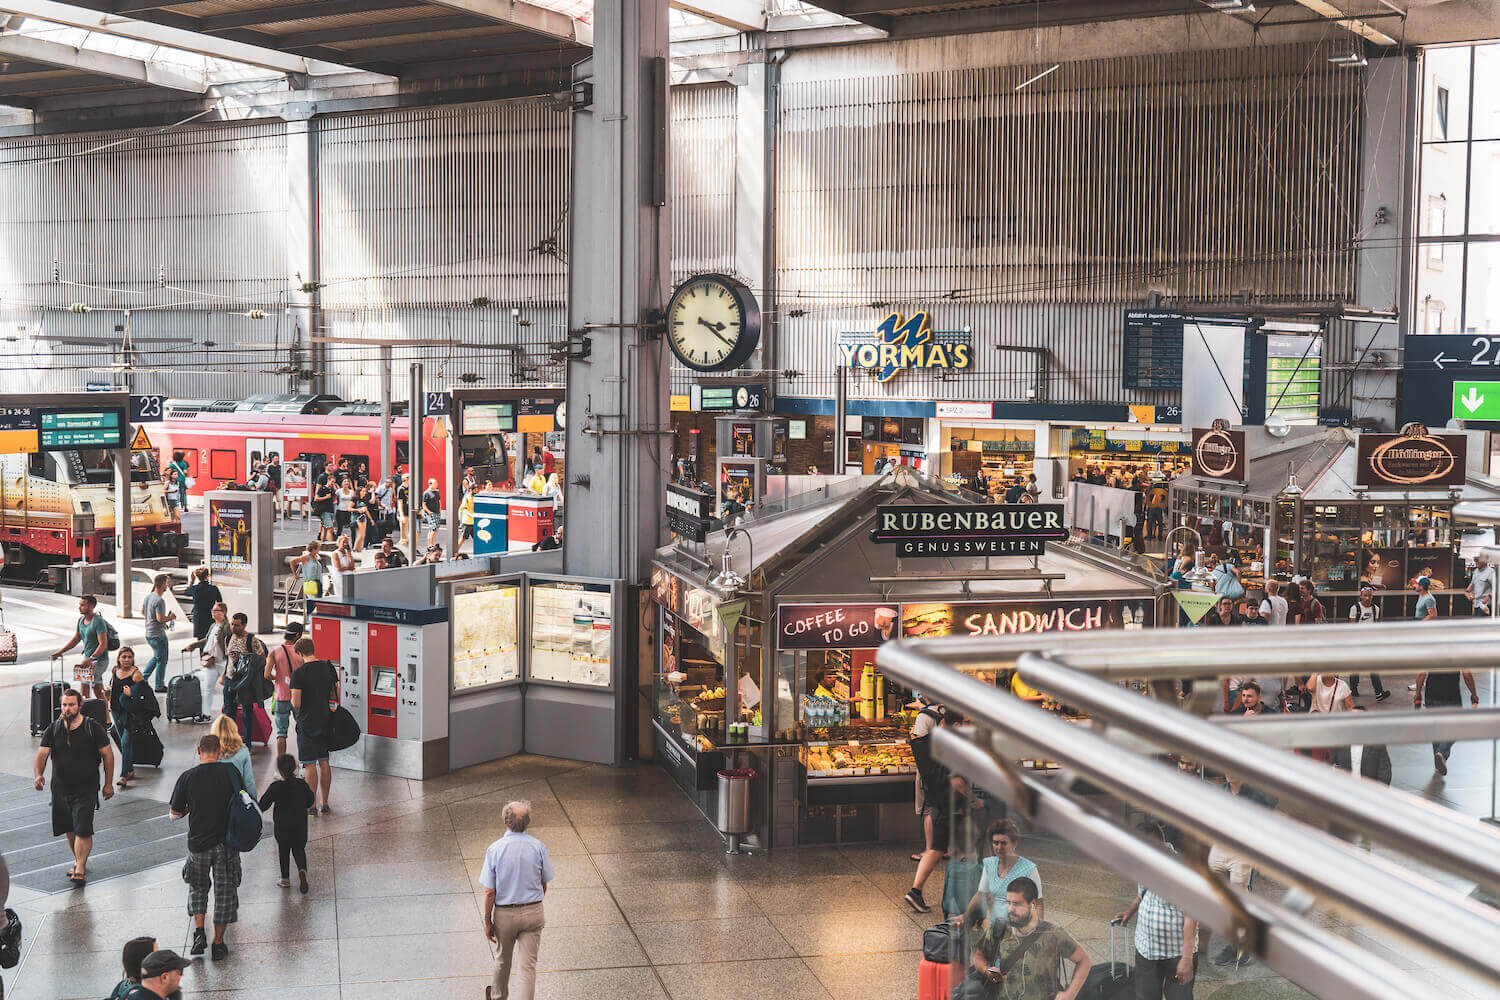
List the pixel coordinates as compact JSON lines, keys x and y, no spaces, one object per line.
{"x":1476,"y":400}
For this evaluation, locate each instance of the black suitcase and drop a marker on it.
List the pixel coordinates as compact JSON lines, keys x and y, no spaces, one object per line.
{"x":184,"y":698}
{"x":147,"y":745}
{"x":46,"y":705}
{"x":1109,"y":980}
{"x":94,"y":708}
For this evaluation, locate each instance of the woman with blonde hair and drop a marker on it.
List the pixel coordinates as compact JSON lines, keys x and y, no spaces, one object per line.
{"x":232,"y":750}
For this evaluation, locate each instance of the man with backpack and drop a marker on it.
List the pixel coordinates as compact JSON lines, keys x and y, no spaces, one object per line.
{"x":98,"y":638}
{"x":1367,"y":612}
{"x":205,"y":794}
{"x":77,"y":747}
{"x":1020,"y":958}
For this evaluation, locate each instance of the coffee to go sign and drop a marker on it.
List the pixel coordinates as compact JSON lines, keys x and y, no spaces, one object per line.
{"x":1012,"y":529}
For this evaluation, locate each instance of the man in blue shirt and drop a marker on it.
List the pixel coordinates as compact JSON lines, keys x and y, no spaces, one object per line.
{"x":515,"y":876}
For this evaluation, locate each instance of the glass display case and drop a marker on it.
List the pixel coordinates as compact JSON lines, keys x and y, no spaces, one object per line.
{"x":688,"y":687}
{"x":857,"y":759}
{"x":486,"y":634}
{"x":571,"y":633}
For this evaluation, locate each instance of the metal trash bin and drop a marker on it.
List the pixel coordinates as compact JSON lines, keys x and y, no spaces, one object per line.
{"x":733,"y":818}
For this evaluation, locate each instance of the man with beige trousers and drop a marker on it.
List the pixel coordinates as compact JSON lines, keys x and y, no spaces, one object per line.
{"x":515,"y":876}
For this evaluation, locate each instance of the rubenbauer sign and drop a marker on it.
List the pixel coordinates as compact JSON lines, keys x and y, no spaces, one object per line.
{"x":1021,"y":529}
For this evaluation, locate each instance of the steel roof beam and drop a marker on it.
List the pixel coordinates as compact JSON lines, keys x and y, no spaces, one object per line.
{"x":421,"y":50}
{"x":381,"y":29}
{"x":538,"y":20}
{"x":741,"y":15}
{"x":160,"y":34}
{"x":296,"y":12}
{"x":1354,"y":24}
{"x":95,"y":63}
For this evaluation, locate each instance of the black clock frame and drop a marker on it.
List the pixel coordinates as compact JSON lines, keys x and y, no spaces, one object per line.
{"x":749,"y":338}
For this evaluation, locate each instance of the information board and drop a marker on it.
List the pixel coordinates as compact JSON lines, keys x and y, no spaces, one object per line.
{"x":19,"y":433}
{"x":486,"y":634}
{"x":486,"y":418}
{"x":1294,"y":372}
{"x":1152,"y":350}
{"x":571,"y":633}
{"x":67,"y":430}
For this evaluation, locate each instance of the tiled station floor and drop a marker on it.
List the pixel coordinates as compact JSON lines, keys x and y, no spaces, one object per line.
{"x":646,"y":903}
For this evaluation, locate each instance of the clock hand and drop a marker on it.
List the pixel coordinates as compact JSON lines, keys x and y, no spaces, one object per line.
{"x":715,"y":329}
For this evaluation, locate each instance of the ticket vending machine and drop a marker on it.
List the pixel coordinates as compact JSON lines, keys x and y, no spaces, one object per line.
{"x":393,"y":674}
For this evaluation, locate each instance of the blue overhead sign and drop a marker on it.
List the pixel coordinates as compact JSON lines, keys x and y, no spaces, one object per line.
{"x":1434,"y":362}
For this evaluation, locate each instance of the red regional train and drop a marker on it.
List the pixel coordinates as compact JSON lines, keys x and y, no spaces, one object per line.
{"x":222,"y":439}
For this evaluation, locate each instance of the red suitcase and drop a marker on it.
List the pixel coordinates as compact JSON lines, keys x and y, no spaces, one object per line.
{"x":932,"y":980}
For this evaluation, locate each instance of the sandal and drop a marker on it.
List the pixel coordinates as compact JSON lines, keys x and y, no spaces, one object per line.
{"x":77,"y":879}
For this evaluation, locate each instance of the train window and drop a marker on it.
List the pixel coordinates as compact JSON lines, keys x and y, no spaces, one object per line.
{"x":222,"y":465}
{"x":358,"y":464}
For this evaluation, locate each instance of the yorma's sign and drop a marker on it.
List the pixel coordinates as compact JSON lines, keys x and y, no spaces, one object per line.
{"x":1021,"y":529}
{"x":1418,"y":461}
{"x":897,"y":345}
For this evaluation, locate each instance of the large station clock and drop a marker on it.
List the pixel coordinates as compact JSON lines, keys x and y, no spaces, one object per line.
{"x":713,"y":323}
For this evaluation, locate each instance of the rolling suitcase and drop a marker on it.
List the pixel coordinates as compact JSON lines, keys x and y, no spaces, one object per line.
{"x":932,"y":980}
{"x":1109,"y":980}
{"x":184,"y":696}
{"x":262,"y":726}
{"x":148,"y":748}
{"x":46,"y":705}
{"x":9,"y":651}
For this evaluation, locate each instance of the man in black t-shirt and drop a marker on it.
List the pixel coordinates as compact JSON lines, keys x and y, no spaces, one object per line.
{"x":1441,"y":691}
{"x":394,"y":557}
{"x":76,"y":746}
{"x":314,"y":685}
{"x":203,"y":795}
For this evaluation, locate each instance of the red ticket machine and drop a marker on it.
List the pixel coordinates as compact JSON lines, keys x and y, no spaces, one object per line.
{"x":381,"y":668}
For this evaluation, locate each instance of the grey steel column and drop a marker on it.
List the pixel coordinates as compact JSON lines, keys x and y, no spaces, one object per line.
{"x":840,"y":412}
{"x":386,"y":463}
{"x":303,"y":270}
{"x":617,"y":461}
{"x":124,"y":534}
{"x":414,"y":453}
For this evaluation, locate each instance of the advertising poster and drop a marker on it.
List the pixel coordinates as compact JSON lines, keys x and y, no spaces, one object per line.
{"x":486,"y":631}
{"x":229,"y":539}
{"x":837,"y":626}
{"x":571,"y":633}
{"x":1019,"y":617}
{"x":738,"y":483}
{"x":742,"y":439}
{"x":296,"y":480}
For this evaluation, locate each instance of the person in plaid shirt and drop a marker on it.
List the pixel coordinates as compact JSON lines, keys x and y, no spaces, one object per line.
{"x":1166,"y":940}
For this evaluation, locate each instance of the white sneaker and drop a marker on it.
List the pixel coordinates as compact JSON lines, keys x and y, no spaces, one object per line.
{"x":285,"y":883}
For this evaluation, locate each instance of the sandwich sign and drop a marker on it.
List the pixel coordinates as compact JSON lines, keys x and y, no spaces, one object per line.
{"x":1012,"y":529}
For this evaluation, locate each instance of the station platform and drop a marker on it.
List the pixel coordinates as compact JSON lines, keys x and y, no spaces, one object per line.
{"x":646,"y":903}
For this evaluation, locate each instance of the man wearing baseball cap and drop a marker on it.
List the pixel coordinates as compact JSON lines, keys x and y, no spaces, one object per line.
{"x":161,"y":976}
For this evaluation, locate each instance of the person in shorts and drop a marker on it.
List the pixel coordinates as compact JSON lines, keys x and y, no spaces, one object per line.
{"x":77,"y":747}
{"x":213,"y":869}
{"x":313,"y":686}
{"x":93,"y":632}
{"x":280,"y":665}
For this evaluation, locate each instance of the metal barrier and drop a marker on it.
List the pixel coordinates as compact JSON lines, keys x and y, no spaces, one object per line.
{"x":1118,"y":753}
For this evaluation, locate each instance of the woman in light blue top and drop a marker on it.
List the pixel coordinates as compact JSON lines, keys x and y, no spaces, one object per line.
{"x":1000,"y":869}
{"x":232,"y":750}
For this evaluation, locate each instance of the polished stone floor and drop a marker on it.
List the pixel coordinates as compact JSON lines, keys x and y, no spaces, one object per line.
{"x":646,"y":903}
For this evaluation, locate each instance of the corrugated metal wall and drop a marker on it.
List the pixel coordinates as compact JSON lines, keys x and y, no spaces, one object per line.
{"x":702,"y":181}
{"x":1035,"y":217}
{"x":425,"y":210}
{"x":202,"y":210}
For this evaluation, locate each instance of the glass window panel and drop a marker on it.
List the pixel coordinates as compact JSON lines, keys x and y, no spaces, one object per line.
{"x":1442,"y":202}
{"x":1439,"y":287}
{"x":1483,"y":313}
{"x":1487,"y":85}
{"x":1484,"y":204}
{"x":1445,"y":92}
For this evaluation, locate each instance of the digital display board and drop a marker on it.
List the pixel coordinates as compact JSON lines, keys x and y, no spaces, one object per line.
{"x":1152,"y":347}
{"x":486,"y":418}
{"x":66,"y":430}
{"x":19,"y":431}
{"x":1294,"y":372}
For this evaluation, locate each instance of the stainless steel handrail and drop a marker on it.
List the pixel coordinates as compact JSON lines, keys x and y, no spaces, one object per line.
{"x":1311,"y":955}
{"x":1448,"y":839}
{"x":1318,"y":729}
{"x":1431,"y":915}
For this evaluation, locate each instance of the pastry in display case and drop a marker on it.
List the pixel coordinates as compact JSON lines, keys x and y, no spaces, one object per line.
{"x":853,"y":759}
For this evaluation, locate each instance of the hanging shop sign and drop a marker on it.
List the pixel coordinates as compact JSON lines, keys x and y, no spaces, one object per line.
{"x":964,"y":530}
{"x":837,"y":626}
{"x":897,"y":345}
{"x":1219,"y":454}
{"x":688,"y":512}
{"x":1411,"y":461}
{"x":1020,"y":617}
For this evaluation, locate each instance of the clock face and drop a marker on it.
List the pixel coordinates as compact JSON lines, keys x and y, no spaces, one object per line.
{"x":713,"y":323}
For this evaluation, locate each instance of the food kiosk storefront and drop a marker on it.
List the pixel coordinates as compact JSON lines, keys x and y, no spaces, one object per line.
{"x":790,"y":651}
{"x":1343,"y":510}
